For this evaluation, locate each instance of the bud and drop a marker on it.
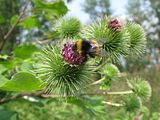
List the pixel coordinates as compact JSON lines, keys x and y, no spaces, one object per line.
{"x":114,"y":24}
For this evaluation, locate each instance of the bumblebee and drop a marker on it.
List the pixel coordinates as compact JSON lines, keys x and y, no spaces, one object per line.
{"x":87,"y":48}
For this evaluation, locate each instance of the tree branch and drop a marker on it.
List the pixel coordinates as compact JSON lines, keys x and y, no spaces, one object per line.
{"x":42,"y":95}
{"x":18,"y":20}
{"x":20,"y":95}
{"x":6,"y":36}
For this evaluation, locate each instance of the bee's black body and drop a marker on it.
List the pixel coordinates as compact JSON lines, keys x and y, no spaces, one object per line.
{"x":85,"y":48}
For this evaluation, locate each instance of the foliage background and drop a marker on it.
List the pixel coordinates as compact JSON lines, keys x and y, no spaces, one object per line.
{"x":38,"y":30}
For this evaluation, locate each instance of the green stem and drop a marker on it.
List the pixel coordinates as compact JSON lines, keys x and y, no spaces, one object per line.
{"x":120,"y":93}
{"x":113,"y":104}
{"x":101,"y":65}
{"x":98,"y":81}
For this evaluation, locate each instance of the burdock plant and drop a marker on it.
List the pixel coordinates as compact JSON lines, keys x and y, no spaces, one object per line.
{"x":62,"y":78}
{"x":66,"y":72}
{"x":70,"y":56}
{"x":113,"y":36}
{"x":137,"y":39}
{"x":68,"y":27}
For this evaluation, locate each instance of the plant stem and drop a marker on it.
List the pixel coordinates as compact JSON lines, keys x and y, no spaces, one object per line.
{"x":113,"y":104}
{"x":120,"y":93}
{"x":98,"y":81}
{"x":101,"y":65}
{"x":20,"y":95}
{"x":41,"y":94}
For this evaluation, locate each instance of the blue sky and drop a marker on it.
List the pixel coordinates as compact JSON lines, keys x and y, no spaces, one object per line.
{"x":117,"y":6}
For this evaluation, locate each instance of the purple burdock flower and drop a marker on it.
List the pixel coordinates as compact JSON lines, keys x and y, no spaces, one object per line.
{"x":136,"y":118}
{"x":114,"y":24}
{"x":71,"y":56}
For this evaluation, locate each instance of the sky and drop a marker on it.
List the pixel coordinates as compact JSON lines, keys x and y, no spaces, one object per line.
{"x":117,"y":6}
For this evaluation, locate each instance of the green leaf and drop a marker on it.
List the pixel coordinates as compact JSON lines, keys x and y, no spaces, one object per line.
{"x":23,"y":81}
{"x":14,"y":19}
{"x":2,"y":19}
{"x":93,"y":106}
{"x":30,"y":22}
{"x":5,"y":113}
{"x":9,"y":64}
{"x":2,"y":68}
{"x":57,"y":8}
{"x":26,"y":66}
{"x":25,"y":51}
{"x":3,"y":80}
{"x":3,"y":57}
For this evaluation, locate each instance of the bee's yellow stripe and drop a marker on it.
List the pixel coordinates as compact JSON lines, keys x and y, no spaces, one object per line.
{"x":79,"y":46}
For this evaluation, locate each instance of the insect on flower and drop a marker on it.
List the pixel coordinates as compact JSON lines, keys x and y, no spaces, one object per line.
{"x":85,"y":48}
{"x":78,"y":52}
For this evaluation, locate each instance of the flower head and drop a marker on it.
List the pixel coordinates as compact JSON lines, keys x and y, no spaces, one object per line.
{"x":60,"y":78}
{"x":71,"y":56}
{"x":114,"y":24}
